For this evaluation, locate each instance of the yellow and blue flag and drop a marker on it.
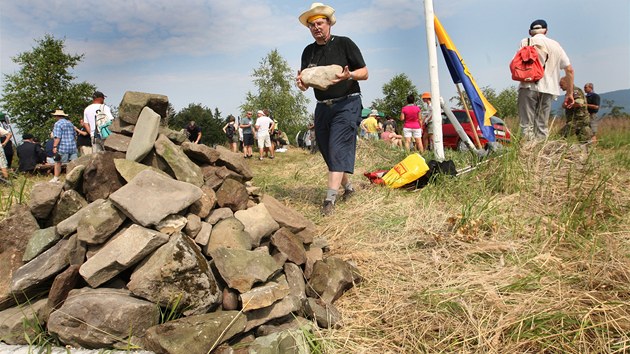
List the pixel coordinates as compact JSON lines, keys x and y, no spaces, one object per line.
{"x":459,"y":72}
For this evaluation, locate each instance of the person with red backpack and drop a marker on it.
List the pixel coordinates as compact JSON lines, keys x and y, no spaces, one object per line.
{"x":535,"y":97}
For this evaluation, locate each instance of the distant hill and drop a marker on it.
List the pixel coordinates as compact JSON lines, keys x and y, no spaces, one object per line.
{"x":620,"y":97}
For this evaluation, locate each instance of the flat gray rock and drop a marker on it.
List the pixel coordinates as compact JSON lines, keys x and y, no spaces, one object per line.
{"x":164,"y":195}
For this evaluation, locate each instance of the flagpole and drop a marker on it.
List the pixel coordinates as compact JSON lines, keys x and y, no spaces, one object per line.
{"x":474,"y":127}
{"x":436,"y":112}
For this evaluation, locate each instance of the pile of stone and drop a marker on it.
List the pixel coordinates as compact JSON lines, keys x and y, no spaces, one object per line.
{"x":161,"y":244}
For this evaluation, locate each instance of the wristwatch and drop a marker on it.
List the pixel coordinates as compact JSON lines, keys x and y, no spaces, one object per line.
{"x":351,"y":76}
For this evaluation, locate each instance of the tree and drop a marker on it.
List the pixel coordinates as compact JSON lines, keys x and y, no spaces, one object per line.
{"x":395,"y":91}
{"x":276,"y":91}
{"x":506,"y":103}
{"x":42,"y":84}
{"x":210,"y":124}
{"x":615,"y":111}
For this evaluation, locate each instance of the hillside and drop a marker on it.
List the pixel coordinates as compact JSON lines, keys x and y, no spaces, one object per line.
{"x":528,"y":253}
{"x":620,"y":97}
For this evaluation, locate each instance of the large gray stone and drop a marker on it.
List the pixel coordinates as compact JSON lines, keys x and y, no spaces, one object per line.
{"x":289,"y":304}
{"x":331,"y":278}
{"x":102,"y":318}
{"x":295,"y":279}
{"x":129,"y":169}
{"x":287,"y":243}
{"x":266,"y":294}
{"x":144,"y":135}
{"x":204,"y":205}
{"x":195,"y":334}
{"x":172,"y":224}
{"x":286,"y":216}
{"x":241,"y":269}
{"x":42,"y":268}
{"x":20,"y":321}
{"x":70,"y":224}
{"x":184,"y":169}
{"x":17,"y":228}
{"x":326,"y":315}
{"x":43,"y":198}
{"x":102,"y":221}
{"x":233,"y":195}
{"x":228,"y":233}
{"x":285,"y":342}
{"x":40,"y":241}
{"x":234,"y":161}
{"x":201,"y":153}
{"x":219,"y":214}
{"x":321,"y":77}
{"x":100,"y":178}
{"x":69,"y":203}
{"x":133,"y":102}
{"x":176,"y":136}
{"x":122,"y":252}
{"x":74,"y":178}
{"x":164,"y":195}
{"x":258,"y":222}
{"x":177,"y":271}
{"x":117,"y":142}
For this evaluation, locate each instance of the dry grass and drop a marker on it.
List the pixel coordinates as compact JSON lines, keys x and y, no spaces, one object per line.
{"x":528,"y":253}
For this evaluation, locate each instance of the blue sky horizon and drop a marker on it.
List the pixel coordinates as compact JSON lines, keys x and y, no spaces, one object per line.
{"x":205,"y":51}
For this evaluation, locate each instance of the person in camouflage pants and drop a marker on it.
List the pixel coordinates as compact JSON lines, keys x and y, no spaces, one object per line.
{"x":578,"y":118}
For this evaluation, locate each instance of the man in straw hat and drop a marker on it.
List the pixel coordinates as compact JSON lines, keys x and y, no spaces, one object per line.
{"x":64,"y":142}
{"x":338,"y":110}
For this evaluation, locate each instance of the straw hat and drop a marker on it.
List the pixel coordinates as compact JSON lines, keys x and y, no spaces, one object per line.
{"x":317,"y":8}
{"x":60,"y":113}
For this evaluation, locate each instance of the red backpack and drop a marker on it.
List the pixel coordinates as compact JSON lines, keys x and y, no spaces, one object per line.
{"x":525,"y":66}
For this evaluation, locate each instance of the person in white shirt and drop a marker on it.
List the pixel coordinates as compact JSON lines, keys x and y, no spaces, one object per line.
{"x":263,"y":127}
{"x":534,"y":98}
{"x":89,"y":119}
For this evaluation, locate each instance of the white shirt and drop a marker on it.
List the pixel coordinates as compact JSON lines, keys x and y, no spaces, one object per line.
{"x":89,"y":115}
{"x":263,"y":124}
{"x":554,"y":58}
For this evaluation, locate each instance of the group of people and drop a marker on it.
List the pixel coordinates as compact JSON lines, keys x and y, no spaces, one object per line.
{"x":338,"y":109}
{"x":534,"y":98}
{"x":264,"y":130}
{"x":416,"y":125}
{"x":66,"y":140}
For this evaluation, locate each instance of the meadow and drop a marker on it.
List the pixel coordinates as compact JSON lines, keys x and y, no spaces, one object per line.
{"x":528,"y":252}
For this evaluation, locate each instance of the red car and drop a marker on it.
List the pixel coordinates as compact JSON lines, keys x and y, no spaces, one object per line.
{"x":452,"y":140}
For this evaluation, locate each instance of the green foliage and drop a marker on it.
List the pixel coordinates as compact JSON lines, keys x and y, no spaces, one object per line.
{"x":211,"y":124}
{"x":614,"y":110}
{"x":173,"y":311}
{"x":395,"y":91}
{"x":42,"y":84}
{"x":276,"y":91}
{"x":506,"y":102}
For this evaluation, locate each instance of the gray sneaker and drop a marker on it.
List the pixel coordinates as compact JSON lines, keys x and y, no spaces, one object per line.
{"x":328,"y":208}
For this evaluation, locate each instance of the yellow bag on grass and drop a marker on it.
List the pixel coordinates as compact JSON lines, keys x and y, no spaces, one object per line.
{"x":406,"y":171}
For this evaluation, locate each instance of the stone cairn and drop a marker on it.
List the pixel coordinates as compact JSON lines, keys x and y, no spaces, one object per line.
{"x":164,"y":245}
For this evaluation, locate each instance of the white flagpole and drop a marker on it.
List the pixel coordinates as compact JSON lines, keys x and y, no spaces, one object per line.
{"x":436,"y":112}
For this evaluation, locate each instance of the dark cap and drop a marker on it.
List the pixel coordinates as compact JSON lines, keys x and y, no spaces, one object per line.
{"x":27,"y":136}
{"x":538,"y":24}
{"x":98,"y":94}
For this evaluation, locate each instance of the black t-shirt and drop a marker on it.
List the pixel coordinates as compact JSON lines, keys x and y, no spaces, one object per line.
{"x":338,"y":50}
{"x":193,"y":132}
{"x":592,"y":98}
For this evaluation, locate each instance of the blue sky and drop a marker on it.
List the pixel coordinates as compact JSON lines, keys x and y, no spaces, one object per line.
{"x":204,"y":51}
